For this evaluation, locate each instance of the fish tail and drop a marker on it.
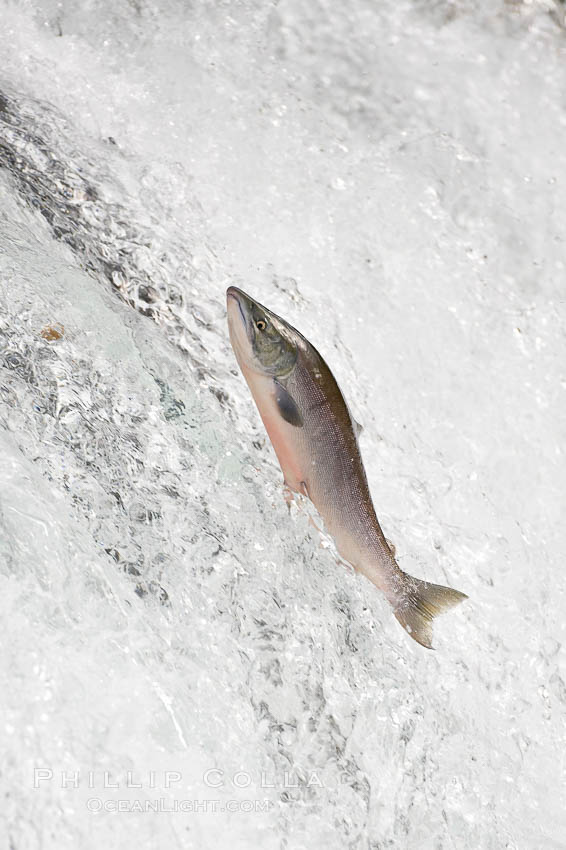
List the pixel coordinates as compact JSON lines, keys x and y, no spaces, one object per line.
{"x":418,"y":605}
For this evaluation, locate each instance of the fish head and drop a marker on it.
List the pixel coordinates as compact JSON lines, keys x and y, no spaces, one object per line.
{"x":262,"y":341}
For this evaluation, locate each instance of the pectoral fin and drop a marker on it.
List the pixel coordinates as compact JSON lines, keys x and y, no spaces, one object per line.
{"x":287,"y":406}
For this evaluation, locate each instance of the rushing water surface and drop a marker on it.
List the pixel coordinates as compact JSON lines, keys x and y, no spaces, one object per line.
{"x":390,"y":177}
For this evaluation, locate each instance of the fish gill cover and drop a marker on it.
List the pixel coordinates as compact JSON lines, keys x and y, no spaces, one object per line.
{"x":388,"y":177}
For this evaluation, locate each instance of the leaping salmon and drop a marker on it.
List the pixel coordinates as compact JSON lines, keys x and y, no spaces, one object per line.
{"x":315,"y":440}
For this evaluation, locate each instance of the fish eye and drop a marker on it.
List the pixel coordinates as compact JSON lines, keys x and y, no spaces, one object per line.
{"x":261,"y":324}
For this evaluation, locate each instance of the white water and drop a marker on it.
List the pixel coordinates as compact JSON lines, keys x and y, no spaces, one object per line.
{"x":390,"y":178}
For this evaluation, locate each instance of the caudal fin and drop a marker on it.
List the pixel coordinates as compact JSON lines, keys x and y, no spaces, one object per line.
{"x":420,"y":603}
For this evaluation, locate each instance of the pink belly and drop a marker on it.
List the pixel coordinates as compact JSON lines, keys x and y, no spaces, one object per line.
{"x":286,"y":450}
{"x":285,"y":438}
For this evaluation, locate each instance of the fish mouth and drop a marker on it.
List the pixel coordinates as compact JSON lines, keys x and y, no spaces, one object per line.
{"x":236,"y":298}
